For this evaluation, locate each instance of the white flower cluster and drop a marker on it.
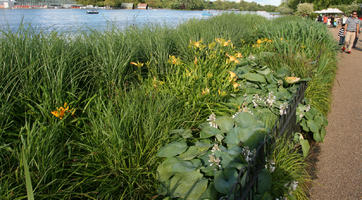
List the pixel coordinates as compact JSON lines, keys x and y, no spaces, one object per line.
{"x":248,"y":154}
{"x":211,"y":120}
{"x":256,"y":100}
{"x":301,"y":114}
{"x":213,"y":160}
{"x":268,"y":101}
{"x":271,"y":99}
{"x":251,"y":57}
{"x":292,"y":186}
{"x":283,"y":108}
{"x":215,"y":148}
{"x":270,"y":165}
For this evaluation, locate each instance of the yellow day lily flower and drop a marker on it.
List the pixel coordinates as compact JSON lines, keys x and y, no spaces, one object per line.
{"x":281,"y":39}
{"x":220,"y":40}
{"x":195,"y":61}
{"x":197,"y":44}
{"x":205,"y":91}
{"x":55,"y":113}
{"x":173,"y":60}
{"x":291,"y":79}
{"x":259,"y":41}
{"x":227,"y":43}
{"x":233,"y":76}
{"x":137,"y":64}
{"x":60,"y":112}
{"x":232,"y":59}
{"x":236,"y":85}
{"x":238,"y":55}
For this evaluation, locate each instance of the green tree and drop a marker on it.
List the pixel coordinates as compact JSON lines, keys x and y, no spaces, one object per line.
{"x":305,"y":9}
{"x":284,"y":10}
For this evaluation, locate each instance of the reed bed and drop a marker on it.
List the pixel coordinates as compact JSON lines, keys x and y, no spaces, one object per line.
{"x":115,"y":118}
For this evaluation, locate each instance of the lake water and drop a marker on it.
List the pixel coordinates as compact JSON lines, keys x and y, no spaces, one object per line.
{"x":72,"y":20}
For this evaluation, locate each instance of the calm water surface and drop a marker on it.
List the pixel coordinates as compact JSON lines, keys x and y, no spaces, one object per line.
{"x":73,"y":20}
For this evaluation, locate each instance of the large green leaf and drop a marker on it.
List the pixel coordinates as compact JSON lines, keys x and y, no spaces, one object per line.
{"x":305,"y":147}
{"x":253,"y":140}
{"x":194,"y":151}
{"x":323,"y":134}
{"x":254,"y":77}
{"x":317,"y":137}
{"x":209,"y":131}
{"x":250,"y":137}
{"x":265,"y":71}
{"x":313,"y":126}
{"x":225,"y":123}
{"x":224,"y":180}
{"x":264,"y":181}
{"x":183,"y":166}
{"x":210,"y":193}
{"x":164,"y":170}
{"x":233,"y":137}
{"x":209,"y":170}
{"x":185,"y":133}
{"x":189,"y":185}
{"x":245,"y":120}
{"x":173,"y":165}
{"x":172,"y":149}
{"x":198,"y":190}
{"x":304,"y":125}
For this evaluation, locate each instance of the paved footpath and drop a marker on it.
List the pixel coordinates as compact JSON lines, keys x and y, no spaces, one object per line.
{"x":339,"y":163}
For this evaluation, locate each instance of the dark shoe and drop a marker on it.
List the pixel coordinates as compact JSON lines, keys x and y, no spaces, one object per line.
{"x":349,"y":52}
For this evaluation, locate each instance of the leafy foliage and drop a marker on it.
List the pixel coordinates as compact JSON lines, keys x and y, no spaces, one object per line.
{"x":312,"y":121}
{"x":210,"y":158}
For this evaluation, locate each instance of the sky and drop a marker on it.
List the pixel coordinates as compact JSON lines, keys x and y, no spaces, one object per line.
{"x":266,"y":2}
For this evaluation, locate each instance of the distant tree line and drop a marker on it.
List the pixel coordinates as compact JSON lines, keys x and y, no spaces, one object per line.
{"x":307,"y":7}
{"x":185,"y":4}
{"x":320,"y":4}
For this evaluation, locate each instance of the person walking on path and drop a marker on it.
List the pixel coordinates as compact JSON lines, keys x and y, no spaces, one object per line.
{"x":325,"y":19}
{"x":351,"y":31}
{"x":341,"y":35}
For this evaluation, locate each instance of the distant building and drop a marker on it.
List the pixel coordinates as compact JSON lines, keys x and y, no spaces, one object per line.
{"x":142,"y":6}
{"x":6,"y":3}
{"x":127,"y":6}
